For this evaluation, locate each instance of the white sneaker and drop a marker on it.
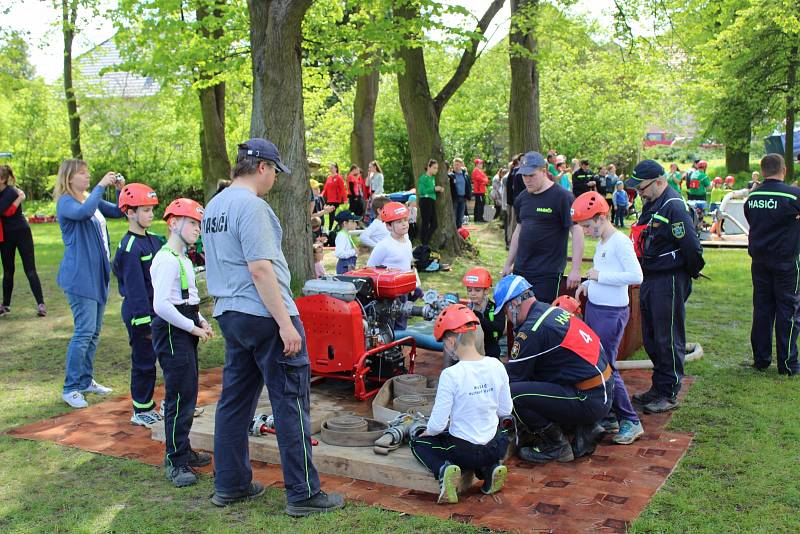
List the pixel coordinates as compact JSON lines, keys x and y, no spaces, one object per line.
{"x":97,"y":388}
{"x":75,"y":399}
{"x":145,"y":419}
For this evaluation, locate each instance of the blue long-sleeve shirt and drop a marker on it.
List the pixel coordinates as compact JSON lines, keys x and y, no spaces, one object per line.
{"x":84,"y":270}
{"x":131,"y":266}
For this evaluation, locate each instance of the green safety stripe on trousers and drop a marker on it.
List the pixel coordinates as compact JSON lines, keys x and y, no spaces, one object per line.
{"x":146,"y":258}
{"x":140,"y":320}
{"x":169,"y":333}
{"x":130,"y":243}
{"x":174,"y":424}
{"x":672,"y":333}
{"x":771,"y":193}
{"x":305,"y":451}
{"x":541,"y":318}
{"x":661,"y":218}
{"x":143,"y":406}
{"x":792,"y":319}
{"x":514,"y":409}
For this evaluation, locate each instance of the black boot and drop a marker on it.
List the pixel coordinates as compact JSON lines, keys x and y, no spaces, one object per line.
{"x":586,"y":439}
{"x":554,"y":447}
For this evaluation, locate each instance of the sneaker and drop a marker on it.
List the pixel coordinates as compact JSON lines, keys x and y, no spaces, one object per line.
{"x":496,"y":481}
{"x":319,"y":503}
{"x":449,"y":475}
{"x":97,"y":388}
{"x":4,"y":310}
{"x":628,"y":432}
{"x":224,"y":499}
{"x":645,"y":397}
{"x":41,"y":311}
{"x":199,"y":459}
{"x":181,"y":475}
{"x":145,"y":419}
{"x":752,"y":365}
{"x":75,"y":399}
{"x":661,"y":404}
{"x":610,"y":425}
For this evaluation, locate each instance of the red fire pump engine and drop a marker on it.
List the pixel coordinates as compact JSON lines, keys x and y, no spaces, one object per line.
{"x":348,"y":322}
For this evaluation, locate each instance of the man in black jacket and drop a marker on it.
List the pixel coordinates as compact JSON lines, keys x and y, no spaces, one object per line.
{"x":460,"y":189}
{"x":583,"y":179}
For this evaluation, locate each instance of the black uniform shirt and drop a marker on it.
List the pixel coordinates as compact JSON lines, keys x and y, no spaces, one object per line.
{"x":493,"y":324}
{"x":669,"y":243}
{"x":132,"y":268}
{"x":537,"y":355}
{"x":581,"y":179}
{"x":773,"y":211}
{"x":545,"y":219}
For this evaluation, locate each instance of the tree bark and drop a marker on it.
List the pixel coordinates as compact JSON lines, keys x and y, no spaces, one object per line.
{"x":791,"y":80}
{"x":422,"y":112}
{"x":362,"y":138}
{"x":523,"y":106}
{"x":213,"y":147}
{"x":69,"y":13}
{"x":275,"y":40}
{"x":736,"y":136}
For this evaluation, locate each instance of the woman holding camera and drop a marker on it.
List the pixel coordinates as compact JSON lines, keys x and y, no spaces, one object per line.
{"x":15,"y":235}
{"x":85,"y":271}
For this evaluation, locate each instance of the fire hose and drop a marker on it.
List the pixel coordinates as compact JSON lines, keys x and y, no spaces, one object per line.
{"x":265,"y":424}
{"x":402,"y":429}
{"x":693,"y":352}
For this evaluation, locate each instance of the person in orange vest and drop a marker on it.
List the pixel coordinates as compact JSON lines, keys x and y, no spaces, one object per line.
{"x":479,"y":183}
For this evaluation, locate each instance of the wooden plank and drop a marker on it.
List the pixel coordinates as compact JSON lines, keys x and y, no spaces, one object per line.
{"x":399,"y":468}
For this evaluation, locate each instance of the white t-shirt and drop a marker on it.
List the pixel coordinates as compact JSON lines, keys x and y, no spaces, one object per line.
{"x":374,"y":234}
{"x":101,"y":220}
{"x":392,"y":253}
{"x":166,"y":277}
{"x":344,"y":246}
{"x":471,"y":395}
{"x":618,"y":267}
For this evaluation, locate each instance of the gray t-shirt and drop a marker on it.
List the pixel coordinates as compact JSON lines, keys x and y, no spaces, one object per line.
{"x":239,"y":227}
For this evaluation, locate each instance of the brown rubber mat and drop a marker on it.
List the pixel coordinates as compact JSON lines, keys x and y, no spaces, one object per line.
{"x":602,"y":493}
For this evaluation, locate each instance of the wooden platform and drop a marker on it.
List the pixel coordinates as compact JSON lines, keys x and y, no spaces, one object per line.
{"x":399,"y":468}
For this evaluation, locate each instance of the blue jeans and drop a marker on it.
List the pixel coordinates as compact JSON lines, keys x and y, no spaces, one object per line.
{"x":461,"y":208}
{"x":87,"y":315}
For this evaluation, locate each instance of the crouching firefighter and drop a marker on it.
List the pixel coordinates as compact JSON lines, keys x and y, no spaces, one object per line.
{"x":559,"y":375}
{"x":473,"y":396}
{"x":671,"y":255}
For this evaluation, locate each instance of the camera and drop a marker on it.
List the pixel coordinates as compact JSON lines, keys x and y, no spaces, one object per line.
{"x":118,"y":178}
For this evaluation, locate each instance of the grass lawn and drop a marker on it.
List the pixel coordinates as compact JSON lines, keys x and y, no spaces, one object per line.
{"x":740,"y":473}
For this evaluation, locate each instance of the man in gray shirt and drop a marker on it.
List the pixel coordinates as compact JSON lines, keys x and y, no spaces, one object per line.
{"x":249,"y":278}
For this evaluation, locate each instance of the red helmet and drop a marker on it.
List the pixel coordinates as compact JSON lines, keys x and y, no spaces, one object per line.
{"x":729,"y":179}
{"x":702,"y":164}
{"x":393,"y":211}
{"x":717,"y":180}
{"x":588,"y":205}
{"x":455,"y":318}
{"x":477,"y":277}
{"x":478,"y":161}
{"x":184,"y":207}
{"x":135,"y":195}
{"x":464,"y":233}
{"x":568,"y":304}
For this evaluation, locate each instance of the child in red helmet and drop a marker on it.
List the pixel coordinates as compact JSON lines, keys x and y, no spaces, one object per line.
{"x":471,"y":399}
{"x":478,"y":282}
{"x":176,"y":329}
{"x":699,"y":182}
{"x":615,"y":267}
{"x":132,"y":268}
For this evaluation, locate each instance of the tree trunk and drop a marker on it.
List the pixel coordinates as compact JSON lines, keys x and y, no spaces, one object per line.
{"x":523,"y":106}
{"x":275,"y":39}
{"x":791,"y":80}
{"x":421,"y":112}
{"x":213,"y":148}
{"x":69,"y":12}
{"x":737,"y":137}
{"x":362,"y":138}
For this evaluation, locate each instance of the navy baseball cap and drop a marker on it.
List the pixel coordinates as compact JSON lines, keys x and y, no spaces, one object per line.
{"x":346,"y":215}
{"x":262,"y":149}
{"x":644,"y":170}
{"x":530,"y":162}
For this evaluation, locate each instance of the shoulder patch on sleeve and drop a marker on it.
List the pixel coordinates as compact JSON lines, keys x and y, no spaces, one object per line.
{"x":678,"y":230}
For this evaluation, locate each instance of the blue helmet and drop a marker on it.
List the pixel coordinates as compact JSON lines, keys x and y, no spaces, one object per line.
{"x":509,"y":288}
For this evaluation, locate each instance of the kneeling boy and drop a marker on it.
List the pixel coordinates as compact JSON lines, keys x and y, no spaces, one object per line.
{"x":472,"y":396}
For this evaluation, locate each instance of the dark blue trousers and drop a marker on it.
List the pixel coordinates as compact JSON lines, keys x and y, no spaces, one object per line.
{"x":177,"y":353}
{"x":545,"y":286}
{"x":143,"y":364}
{"x":254,"y":356}
{"x":537,"y":404}
{"x":662,"y":300}
{"x":434,"y":451}
{"x":776,"y":305}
